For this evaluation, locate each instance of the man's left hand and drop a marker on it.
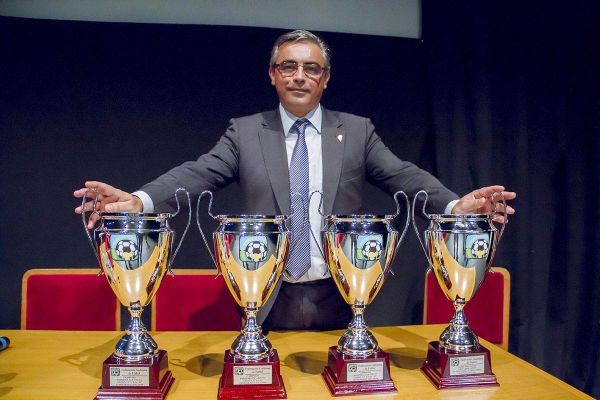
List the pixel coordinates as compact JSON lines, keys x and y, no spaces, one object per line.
{"x":480,"y":201}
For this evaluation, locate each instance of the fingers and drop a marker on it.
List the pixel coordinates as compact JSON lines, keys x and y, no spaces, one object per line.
{"x":102,"y":188}
{"x":481,"y":201}
{"x":120,"y":206}
{"x":500,"y":219}
{"x":89,"y":206}
{"x":488,"y":207}
{"x":86,"y":192}
{"x":509,"y":195}
{"x":92,"y":221}
{"x":500,"y":208}
{"x":499,"y":215}
{"x":79,"y":193}
{"x":107,"y":199}
{"x":487,"y":191}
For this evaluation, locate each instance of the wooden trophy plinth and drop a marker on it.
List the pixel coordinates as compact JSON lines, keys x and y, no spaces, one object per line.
{"x":345,"y":375}
{"x":260,"y":379}
{"x":147,"y":379}
{"x":452,"y":369}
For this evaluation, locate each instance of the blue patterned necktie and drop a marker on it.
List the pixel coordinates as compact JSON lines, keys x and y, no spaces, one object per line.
{"x":299,"y":258}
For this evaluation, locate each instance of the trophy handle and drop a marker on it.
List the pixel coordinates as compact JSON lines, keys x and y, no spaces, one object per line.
{"x":398,"y":213}
{"x":503,"y":214}
{"x":209,"y":193}
{"x":396,"y":216}
{"x":186,"y":227}
{"x":414,"y":222}
{"x":312,"y":234}
{"x":87,"y":231}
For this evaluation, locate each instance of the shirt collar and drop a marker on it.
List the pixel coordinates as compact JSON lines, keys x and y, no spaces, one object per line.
{"x":315,"y":116}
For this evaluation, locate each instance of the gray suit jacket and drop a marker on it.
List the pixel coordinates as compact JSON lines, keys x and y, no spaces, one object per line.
{"x":252,"y":152}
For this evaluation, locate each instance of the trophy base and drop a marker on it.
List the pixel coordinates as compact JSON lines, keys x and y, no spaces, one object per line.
{"x":146,"y":379}
{"x":451,"y":369}
{"x":260,"y":379}
{"x":346,"y":375}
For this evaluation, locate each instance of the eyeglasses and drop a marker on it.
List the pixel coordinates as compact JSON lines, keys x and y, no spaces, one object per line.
{"x":289,"y":68}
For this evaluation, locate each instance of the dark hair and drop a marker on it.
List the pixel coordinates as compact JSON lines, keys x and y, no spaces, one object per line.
{"x":299,"y":35}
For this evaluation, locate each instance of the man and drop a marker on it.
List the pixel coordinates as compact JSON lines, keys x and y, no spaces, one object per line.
{"x":279,"y":157}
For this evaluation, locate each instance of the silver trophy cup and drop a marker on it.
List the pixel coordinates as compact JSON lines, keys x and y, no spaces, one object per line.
{"x":135,"y":252}
{"x":250,"y":252}
{"x":359,"y":250}
{"x":460,"y":249}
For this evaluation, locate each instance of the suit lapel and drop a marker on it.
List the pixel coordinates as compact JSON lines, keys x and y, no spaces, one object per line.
{"x":332,"y":142}
{"x":272,"y":143}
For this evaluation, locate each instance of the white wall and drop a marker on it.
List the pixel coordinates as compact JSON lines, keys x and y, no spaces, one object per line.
{"x":373,"y":17}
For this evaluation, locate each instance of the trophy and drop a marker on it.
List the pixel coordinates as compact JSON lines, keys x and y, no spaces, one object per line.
{"x":460,"y":250}
{"x":250,"y":252}
{"x":135,"y":252}
{"x":359,"y":250}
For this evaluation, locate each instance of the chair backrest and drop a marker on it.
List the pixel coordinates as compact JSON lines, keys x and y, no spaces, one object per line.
{"x":488,"y":311}
{"x":194,"y":300}
{"x":68,"y":299}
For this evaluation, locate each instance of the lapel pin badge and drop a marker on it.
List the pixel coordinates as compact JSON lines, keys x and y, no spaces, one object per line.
{"x":340,"y":137}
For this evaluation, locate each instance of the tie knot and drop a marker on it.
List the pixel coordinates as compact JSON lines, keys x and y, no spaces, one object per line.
{"x":299,"y":126}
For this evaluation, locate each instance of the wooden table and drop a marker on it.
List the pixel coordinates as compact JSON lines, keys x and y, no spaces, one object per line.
{"x":67,"y":365}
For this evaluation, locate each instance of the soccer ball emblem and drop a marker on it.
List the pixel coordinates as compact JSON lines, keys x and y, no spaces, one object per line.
{"x":127,"y":250}
{"x":371,"y":250}
{"x":479,"y":248}
{"x":256,"y":251}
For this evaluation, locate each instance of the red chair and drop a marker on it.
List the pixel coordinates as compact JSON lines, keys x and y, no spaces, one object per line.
{"x":68,"y":299}
{"x":488,"y":311}
{"x":194,"y":300}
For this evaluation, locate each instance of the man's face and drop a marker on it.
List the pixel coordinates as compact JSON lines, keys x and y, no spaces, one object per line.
{"x":299,"y":93}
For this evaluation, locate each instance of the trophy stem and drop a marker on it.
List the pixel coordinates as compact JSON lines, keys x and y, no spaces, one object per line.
{"x":136,"y":325}
{"x":251,"y":325}
{"x":358,"y":319}
{"x":458,"y":335}
{"x":358,"y":341}
{"x":251,"y":344}
{"x":136,"y":344}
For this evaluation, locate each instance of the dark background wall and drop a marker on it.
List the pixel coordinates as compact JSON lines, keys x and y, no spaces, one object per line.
{"x":492,"y":94}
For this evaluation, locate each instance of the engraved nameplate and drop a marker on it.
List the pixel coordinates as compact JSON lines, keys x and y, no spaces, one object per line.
{"x":129,"y":376}
{"x":467,"y":365}
{"x":252,"y":374}
{"x":365,"y":371}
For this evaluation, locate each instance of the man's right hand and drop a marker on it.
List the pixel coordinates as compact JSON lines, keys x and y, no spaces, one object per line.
{"x":110,"y":199}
